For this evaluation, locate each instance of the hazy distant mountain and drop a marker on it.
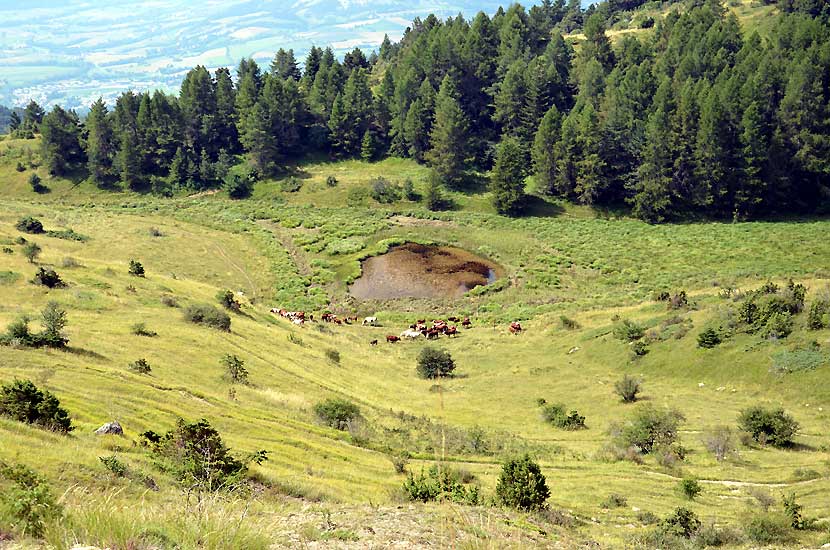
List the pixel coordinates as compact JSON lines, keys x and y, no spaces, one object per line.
{"x":72,"y":51}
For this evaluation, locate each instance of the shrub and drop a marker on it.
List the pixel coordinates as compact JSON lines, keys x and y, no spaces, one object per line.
{"x":292,"y":184}
{"x":337,"y":413}
{"x":440,"y":483}
{"x":20,"y":167}
{"x":400,"y":462}
{"x":228,"y":301}
{"x":239,"y":186}
{"x":48,"y":277}
{"x":29,"y":499}
{"x":708,"y":338}
{"x":24,"y":402}
{"x":647,"y":23}
{"x":235,"y":370}
{"x":383,"y":191}
{"x":169,"y":301}
{"x":690,"y":488}
{"x":31,"y":251}
{"x":779,"y":325}
{"x":614,"y":500}
{"x":140,"y":329}
{"x":648,"y":429}
{"x":568,"y":323}
{"x":196,"y":455}
{"x":682,"y":523}
{"x":639,"y":348}
{"x":767,"y":529}
{"x":141,"y":366}
{"x":772,"y":426}
{"x":155,"y":232}
{"x":556,"y":415}
{"x":331,"y":181}
{"x":205,"y":314}
{"x":136,"y":269}
{"x":115,"y":466}
{"x":522,"y":485}
{"x":70,"y":262}
{"x":763,"y":498}
{"x":679,"y":301}
{"x":409,"y":191}
{"x":628,"y":331}
{"x":720,"y":441}
{"x":628,"y":388}
{"x":53,"y":319}
{"x":333,"y":356}
{"x":817,"y":319}
{"x":29,"y":225}
{"x":435,"y":363}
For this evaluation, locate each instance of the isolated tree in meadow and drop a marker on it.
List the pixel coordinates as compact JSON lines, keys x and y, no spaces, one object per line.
{"x":449,"y":154}
{"x":507,"y":180}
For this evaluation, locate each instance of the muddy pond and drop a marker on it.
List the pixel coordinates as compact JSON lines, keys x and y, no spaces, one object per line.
{"x":419,"y":271}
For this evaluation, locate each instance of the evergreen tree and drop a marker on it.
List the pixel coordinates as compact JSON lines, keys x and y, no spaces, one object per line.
{"x":368,"y":146}
{"x":32,"y":116}
{"x":545,"y":144}
{"x":507,"y":180}
{"x":225,"y":135}
{"x":197,"y":100}
{"x":449,"y":154}
{"x":418,"y":124}
{"x":100,"y":144}
{"x":61,"y":141}
{"x":285,"y":65}
{"x":590,"y":184}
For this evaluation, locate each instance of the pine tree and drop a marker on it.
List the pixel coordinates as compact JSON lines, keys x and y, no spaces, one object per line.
{"x":225,"y":135}
{"x":590,"y":184}
{"x":368,"y":146}
{"x":653,"y":196}
{"x":197,"y":100}
{"x":340,"y":127}
{"x":100,"y":145}
{"x":567,"y":155}
{"x":256,"y":139}
{"x":61,"y":141}
{"x":510,"y":100}
{"x":419,"y":119}
{"x":751,"y":192}
{"x":32,"y":116}
{"x":128,"y":161}
{"x":285,"y":65}
{"x":507,"y":179}
{"x":545,"y":151}
{"x":450,"y":149}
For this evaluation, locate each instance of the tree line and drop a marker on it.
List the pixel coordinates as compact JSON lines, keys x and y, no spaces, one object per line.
{"x":695,"y":117}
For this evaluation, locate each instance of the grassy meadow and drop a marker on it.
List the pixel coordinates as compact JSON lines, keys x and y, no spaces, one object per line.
{"x":324,"y":487}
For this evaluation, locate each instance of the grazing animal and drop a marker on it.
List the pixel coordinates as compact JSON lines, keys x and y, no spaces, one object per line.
{"x":451,"y":331}
{"x":411,"y":334}
{"x":515,"y":327}
{"x":371,"y":321}
{"x":421,"y":322}
{"x":392,"y":338}
{"x":453,"y":319}
{"x":466,"y":323}
{"x":432,"y":334}
{"x":373,"y":343}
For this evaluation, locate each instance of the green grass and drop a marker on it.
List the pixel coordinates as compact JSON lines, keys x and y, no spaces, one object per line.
{"x":299,"y":250}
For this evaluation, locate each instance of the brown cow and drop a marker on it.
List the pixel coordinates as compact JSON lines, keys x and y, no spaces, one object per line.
{"x":466,"y":323}
{"x":515,"y":327}
{"x":453,"y":319}
{"x":451,"y":331}
{"x":392,"y":338}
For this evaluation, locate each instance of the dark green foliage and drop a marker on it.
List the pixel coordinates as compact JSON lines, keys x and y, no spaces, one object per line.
{"x":434,"y":198}
{"x":690,"y":488}
{"x":61,"y":149}
{"x":228,"y":301}
{"x":819,"y":314}
{"x":29,"y":499}
{"x":568,"y":323}
{"x":31,"y":251}
{"x":235,"y":370}
{"x":113,"y":465}
{"x":628,"y":388}
{"x":140,"y":329}
{"x":53,"y":319}
{"x":522,"y":485}
{"x":331,"y":181}
{"x":196,"y":455}
{"x":615,"y":500}
{"x":628,"y":331}
{"x":29,"y":225}
{"x":48,"y":277}
{"x":333,"y":356}
{"x":291,"y":184}
{"x":440,"y":483}
{"x":435,"y":363}
{"x":337,"y":413}
{"x":37,"y":184}
{"x":204,"y":314}
{"x":708,"y":338}
{"x":136,"y":269}
{"x":769,"y":426}
{"x":557,"y":416}
{"x":507,"y":179}
{"x":24,"y":402}
{"x":768,"y":529}
{"x":384,"y":192}
{"x":239,"y":186}
{"x":682,"y":523}
{"x":648,"y":429}
{"x":140,"y":366}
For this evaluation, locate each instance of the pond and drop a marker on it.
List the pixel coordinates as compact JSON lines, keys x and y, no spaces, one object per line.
{"x":419,"y":271}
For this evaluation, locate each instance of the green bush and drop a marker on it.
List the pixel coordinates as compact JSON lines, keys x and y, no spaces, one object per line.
{"x":36,"y":183}
{"x":435,"y":363}
{"x":768,"y":529}
{"x":628,"y":388}
{"x":568,"y":323}
{"x":48,"y":277}
{"x":28,"y":498}
{"x":690,"y":488}
{"x":708,"y":338}
{"x":648,"y":429}
{"x":235,"y":370}
{"x":24,"y":402}
{"x":769,"y":426}
{"x":115,"y":466}
{"x":682,"y":523}
{"x":779,"y":325}
{"x":720,"y":441}
{"x":196,"y":455}
{"x":228,"y":301}
{"x":337,"y":413}
{"x":141,"y":366}
{"x":53,"y":319}
{"x":817,"y":319}
{"x":136,"y":269}
{"x":628,"y":331}
{"x":522,"y":485}
{"x":384,"y":191}
{"x":205,"y":314}
{"x":29,"y":225}
{"x":615,"y":500}
{"x":291,"y":184}
{"x":557,"y":416}
{"x":239,"y":186}
{"x":440,"y":484}
{"x":140,"y":329}
{"x":333,"y":356}
{"x":331,"y":181}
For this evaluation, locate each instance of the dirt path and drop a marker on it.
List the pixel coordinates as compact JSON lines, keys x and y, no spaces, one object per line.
{"x":287,"y":242}
{"x":733,"y":483}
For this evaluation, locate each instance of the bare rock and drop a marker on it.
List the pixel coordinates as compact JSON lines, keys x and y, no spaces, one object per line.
{"x":110,"y":428}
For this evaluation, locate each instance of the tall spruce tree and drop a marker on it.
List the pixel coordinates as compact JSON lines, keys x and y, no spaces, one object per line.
{"x":507,"y":182}
{"x":100,"y":144}
{"x":449,"y":155}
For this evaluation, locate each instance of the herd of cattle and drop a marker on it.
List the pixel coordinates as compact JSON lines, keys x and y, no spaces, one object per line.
{"x":418,"y":329}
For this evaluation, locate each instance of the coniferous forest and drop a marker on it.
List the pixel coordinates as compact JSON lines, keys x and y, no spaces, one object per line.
{"x":697,"y":117}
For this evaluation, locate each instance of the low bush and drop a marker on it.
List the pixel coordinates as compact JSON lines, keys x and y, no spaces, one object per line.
{"x":435,"y":363}
{"x":37,"y":184}
{"x":169,"y":301}
{"x":140,"y":366}
{"x":333,"y":356}
{"x":48,"y":277}
{"x":522,"y":485}
{"x":568,"y":323}
{"x":28,"y":498}
{"x":136,"y":269}
{"x":337,"y":413}
{"x":628,"y":331}
{"x":113,"y":465}
{"x":648,"y":428}
{"x":140,"y":329}
{"x":291,"y":184}
{"x":24,"y":402}
{"x":682,"y":523}
{"x":383,"y":191}
{"x":768,"y":529}
{"x":205,"y":314}
{"x":769,"y":426}
{"x":690,"y":488}
{"x":331,"y":181}
{"x":628,"y":388}
{"x":31,"y":251}
{"x":228,"y":301}
{"x":70,"y":262}
{"x":440,"y":483}
{"x":196,"y":455}
{"x":708,"y":338}
{"x":779,"y":325}
{"x":557,"y":416}
{"x":235,"y":370}
{"x":614,"y":500}
{"x":720,"y":441}
{"x":29,"y":225}
{"x":239,"y":186}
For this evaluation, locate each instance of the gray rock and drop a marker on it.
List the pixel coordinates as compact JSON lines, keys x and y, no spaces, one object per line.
{"x":110,"y":428}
